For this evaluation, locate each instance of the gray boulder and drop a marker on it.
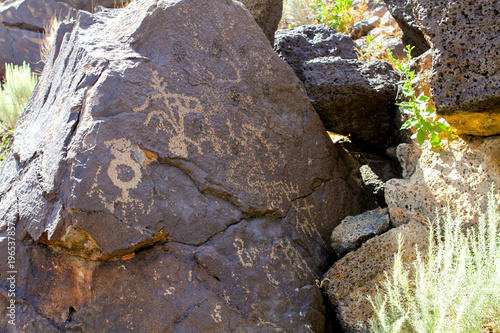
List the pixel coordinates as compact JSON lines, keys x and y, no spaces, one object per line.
{"x":358,"y":275}
{"x":375,"y":173}
{"x":362,"y":28}
{"x":170,"y":173}
{"x":298,"y":45}
{"x":353,"y":231}
{"x":354,"y":98}
{"x":267,"y":14}
{"x":402,"y":12}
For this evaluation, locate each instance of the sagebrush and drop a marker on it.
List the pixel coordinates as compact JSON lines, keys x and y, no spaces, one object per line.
{"x":453,"y":287}
{"x":14,"y":95}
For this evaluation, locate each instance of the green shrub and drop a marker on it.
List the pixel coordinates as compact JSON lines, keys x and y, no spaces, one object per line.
{"x":454,"y":287}
{"x":422,"y":117}
{"x":336,"y":14}
{"x":14,"y":95}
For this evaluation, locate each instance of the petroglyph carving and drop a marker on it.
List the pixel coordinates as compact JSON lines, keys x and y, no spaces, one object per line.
{"x":125,"y":173}
{"x":171,"y":119}
{"x":303,"y":218}
{"x":217,"y":314}
{"x":246,"y":258}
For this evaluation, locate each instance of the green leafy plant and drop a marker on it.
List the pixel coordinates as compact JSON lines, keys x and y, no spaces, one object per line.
{"x":453,"y":287}
{"x":336,"y":14}
{"x":14,"y":95}
{"x":422,"y":117}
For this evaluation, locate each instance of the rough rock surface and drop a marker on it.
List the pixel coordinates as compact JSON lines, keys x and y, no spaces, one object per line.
{"x":362,"y":28}
{"x":87,"y":5}
{"x":465,"y":79}
{"x":298,"y":45}
{"x":170,"y":173}
{"x":356,"y":276}
{"x":339,"y":90}
{"x":22,"y":29}
{"x":267,"y":14}
{"x":353,"y":231}
{"x":402,"y":11}
{"x":339,"y":85}
{"x":459,"y":176}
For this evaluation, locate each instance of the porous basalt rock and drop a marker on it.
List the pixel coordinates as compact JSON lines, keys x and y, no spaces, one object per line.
{"x":457,"y":177}
{"x":298,"y":45}
{"x":402,"y":11}
{"x":339,"y":85}
{"x":353,"y":231}
{"x":362,"y":28}
{"x":339,"y":90}
{"x":356,"y":276}
{"x":171,"y":178}
{"x":465,"y":80}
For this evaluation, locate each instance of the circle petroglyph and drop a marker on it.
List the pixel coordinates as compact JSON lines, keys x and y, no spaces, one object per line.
{"x":123,"y":171}
{"x":126,"y":174}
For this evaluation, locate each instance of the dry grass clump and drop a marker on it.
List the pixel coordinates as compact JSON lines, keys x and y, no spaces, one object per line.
{"x":48,"y":40}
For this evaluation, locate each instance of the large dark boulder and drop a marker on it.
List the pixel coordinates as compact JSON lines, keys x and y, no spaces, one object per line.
{"x":402,"y":12}
{"x":352,"y":97}
{"x":299,"y":45}
{"x":170,"y":174}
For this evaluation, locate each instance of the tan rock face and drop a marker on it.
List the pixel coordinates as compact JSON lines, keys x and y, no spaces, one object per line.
{"x":459,"y":175}
{"x":355,"y":277}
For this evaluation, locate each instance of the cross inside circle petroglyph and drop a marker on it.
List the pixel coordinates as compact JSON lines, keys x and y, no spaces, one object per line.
{"x":123,"y":171}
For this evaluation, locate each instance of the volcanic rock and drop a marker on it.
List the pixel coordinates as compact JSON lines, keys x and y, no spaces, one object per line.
{"x":170,"y":173}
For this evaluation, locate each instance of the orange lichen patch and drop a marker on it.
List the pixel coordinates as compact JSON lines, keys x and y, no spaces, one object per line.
{"x":129,"y":256}
{"x":150,"y":155}
{"x":145,"y":156}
